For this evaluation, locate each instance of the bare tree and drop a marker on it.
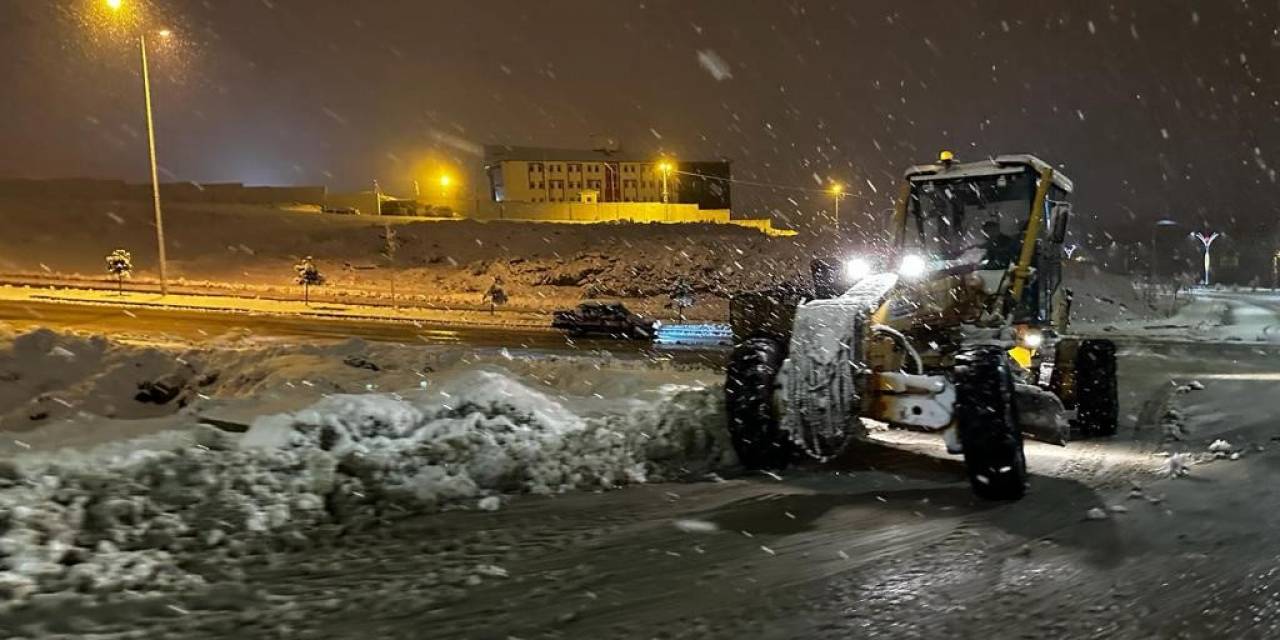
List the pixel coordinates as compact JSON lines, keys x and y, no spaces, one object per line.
{"x":308,"y":276}
{"x":496,"y":296}
{"x":120,"y":265}
{"x":681,"y":297}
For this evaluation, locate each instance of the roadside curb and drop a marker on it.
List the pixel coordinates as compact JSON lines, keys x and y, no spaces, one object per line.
{"x":124,"y":304}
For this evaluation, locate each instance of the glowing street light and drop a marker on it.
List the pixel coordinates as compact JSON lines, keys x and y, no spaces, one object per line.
{"x":445,"y":181}
{"x":117,"y":6}
{"x":1207,"y":241}
{"x":665,"y":168}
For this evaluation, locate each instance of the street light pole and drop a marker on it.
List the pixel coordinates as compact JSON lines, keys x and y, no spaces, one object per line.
{"x":116,"y":6}
{"x":837,"y":190}
{"x":665,"y":168}
{"x":1207,"y":241}
{"x":155,"y":178}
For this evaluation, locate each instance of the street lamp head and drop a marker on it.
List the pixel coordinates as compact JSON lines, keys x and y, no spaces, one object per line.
{"x":837,"y":189}
{"x":445,"y":180}
{"x":114,"y":5}
{"x":165,"y":33}
{"x":664,"y":167}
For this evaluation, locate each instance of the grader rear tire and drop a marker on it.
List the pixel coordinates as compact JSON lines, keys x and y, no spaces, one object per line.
{"x":988,"y":427}
{"x":754,"y":428}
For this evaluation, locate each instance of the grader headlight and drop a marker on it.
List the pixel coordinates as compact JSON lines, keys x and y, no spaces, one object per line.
{"x":912,"y":266}
{"x":856,"y":269}
{"x":1032,"y":339}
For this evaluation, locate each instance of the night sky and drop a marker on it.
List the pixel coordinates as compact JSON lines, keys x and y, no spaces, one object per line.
{"x":1155,"y":108}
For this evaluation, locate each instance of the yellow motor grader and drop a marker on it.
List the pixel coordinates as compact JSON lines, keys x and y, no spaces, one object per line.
{"x":959,"y":327}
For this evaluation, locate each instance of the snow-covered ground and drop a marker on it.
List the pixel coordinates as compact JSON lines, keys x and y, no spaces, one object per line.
{"x":121,"y":513}
{"x":112,"y":520}
{"x":1209,"y":316}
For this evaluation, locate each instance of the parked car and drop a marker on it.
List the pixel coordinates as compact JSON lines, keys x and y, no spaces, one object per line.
{"x":611,"y":319}
{"x":343,"y":211}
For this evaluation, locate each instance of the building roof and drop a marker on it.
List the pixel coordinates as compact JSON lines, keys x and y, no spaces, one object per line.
{"x":500,"y":152}
{"x":494,"y":153}
{"x":1012,"y":163}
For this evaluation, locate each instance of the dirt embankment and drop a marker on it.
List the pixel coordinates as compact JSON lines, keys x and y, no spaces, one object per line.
{"x":460,"y":259}
{"x":251,"y":251}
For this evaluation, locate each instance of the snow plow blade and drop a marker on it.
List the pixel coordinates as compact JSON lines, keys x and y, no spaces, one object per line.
{"x":1041,"y":416}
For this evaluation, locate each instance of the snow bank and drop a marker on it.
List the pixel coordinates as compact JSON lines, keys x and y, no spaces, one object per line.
{"x":112,"y":529}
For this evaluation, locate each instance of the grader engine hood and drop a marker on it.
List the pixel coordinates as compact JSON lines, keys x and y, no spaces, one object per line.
{"x":942,"y":300}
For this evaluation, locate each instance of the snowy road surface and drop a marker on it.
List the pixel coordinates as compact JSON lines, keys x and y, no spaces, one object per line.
{"x":199,"y":325}
{"x":886,"y":542}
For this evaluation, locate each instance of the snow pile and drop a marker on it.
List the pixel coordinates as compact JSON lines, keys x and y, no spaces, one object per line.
{"x":1173,"y":424}
{"x":121,"y":526}
{"x":1177,"y":465}
{"x":1194,"y":385}
{"x":113,"y":528}
{"x":486,"y":432}
{"x":45,"y":376}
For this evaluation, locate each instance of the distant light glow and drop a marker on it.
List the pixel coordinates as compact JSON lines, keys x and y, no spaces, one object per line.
{"x":114,"y":5}
{"x":165,"y":33}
